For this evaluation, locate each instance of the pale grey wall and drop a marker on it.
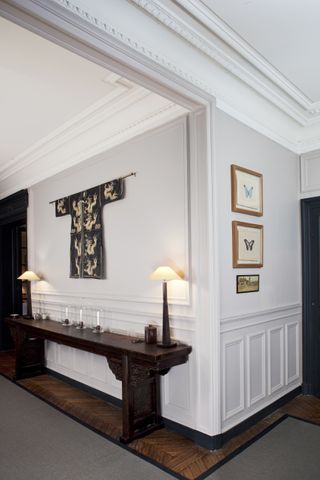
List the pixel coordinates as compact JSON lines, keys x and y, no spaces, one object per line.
{"x":280,"y":276}
{"x":260,"y":332}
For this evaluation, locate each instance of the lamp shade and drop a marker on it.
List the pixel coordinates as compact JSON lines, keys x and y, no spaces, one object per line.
{"x":28,"y":275}
{"x":165,"y":274}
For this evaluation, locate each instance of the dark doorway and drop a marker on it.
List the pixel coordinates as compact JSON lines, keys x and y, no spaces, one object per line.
{"x":13,"y":259}
{"x":310,"y":209}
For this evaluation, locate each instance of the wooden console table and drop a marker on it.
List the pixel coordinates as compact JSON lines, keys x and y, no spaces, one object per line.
{"x":137,"y":365}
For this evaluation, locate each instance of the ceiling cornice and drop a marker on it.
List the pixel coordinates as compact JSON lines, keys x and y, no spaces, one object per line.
{"x":127,"y":112}
{"x":275,"y":91}
{"x":263,"y":105}
{"x":206,"y":16}
{"x":256,"y":72}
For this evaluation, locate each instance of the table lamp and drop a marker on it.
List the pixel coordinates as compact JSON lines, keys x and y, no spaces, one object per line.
{"x":165,"y":274}
{"x":28,"y":277}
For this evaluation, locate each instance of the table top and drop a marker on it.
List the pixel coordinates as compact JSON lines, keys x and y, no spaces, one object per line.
{"x":55,"y":331}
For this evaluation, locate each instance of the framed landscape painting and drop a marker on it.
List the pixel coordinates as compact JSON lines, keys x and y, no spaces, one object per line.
{"x":246,"y":191}
{"x":247,"y":283}
{"x":247,"y":245}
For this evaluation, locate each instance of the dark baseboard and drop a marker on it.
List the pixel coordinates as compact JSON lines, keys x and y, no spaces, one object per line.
{"x":216,"y":441}
{"x":308,"y":389}
{"x":249,"y":422}
{"x":82,"y":386}
{"x":210,"y":442}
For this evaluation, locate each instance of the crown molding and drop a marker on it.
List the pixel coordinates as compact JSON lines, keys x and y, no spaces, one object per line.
{"x":263,"y":106}
{"x":85,"y":119}
{"x":205,"y":15}
{"x":264,"y":78}
{"x":134,"y":111}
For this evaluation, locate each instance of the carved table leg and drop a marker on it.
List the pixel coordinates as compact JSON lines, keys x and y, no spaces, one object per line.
{"x":29,"y":354}
{"x":141,"y":409}
{"x":141,"y":400}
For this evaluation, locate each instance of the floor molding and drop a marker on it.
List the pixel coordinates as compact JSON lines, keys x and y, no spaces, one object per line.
{"x":210,"y":442}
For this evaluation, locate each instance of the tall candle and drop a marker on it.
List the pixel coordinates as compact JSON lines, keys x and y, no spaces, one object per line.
{"x":80,"y":315}
{"x":67,"y":311}
{"x":98,"y":318}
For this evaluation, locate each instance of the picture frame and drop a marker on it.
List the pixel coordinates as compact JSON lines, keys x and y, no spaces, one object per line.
{"x":248,"y":283}
{"x":247,"y":245}
{"x":246,"y":191}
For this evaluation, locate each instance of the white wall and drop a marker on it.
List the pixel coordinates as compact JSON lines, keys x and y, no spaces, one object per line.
{"x":260,"y":332}
{"x":150,"y":226}
{"x":164,"y":218}
{"x":161,"y":220}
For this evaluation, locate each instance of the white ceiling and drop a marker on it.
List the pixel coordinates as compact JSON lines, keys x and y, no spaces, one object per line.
{"x":51,"y":98}
{"x":48,"y":94}
{"x":42,"y":86}
{"x":285,"y":32}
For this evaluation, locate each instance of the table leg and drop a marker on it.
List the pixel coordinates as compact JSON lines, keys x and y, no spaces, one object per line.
{"x":29,"y":354}
{"x":140,"y":400}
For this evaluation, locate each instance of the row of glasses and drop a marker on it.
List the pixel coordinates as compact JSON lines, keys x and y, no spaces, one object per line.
{"x":83,"y":317}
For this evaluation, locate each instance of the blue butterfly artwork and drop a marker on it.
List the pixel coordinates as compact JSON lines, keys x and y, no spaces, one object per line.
{"x":248,"y":191}
{"x":249,"y":244}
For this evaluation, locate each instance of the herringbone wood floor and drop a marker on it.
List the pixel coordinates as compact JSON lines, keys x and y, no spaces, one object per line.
{"x":173,"y":451}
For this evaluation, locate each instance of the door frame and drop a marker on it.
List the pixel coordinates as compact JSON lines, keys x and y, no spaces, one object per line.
{"x":308,"y":348}
{"x":61,"y":24}
{"x":13,"y":209}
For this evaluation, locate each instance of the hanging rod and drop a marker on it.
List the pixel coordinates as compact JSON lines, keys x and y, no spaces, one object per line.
{"x":125,"y":176}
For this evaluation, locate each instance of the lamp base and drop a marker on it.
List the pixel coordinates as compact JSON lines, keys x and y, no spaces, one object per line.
{"x":28,"y":317}
{"x":167,"y":345}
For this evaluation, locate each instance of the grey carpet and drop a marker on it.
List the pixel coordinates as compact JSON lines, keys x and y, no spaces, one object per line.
{"x":38,"y":442}
{"x":290,"y":451}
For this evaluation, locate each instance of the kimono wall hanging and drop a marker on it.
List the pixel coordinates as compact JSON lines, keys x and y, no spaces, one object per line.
{"x":86,"y":236}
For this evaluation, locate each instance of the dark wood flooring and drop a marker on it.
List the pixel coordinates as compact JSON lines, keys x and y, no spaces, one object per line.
{"x":169,"y":449}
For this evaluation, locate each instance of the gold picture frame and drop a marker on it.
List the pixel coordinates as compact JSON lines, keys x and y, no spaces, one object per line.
{"x":248,"y":283}
{"x":246,"y":191}
{"x":247,"y":245}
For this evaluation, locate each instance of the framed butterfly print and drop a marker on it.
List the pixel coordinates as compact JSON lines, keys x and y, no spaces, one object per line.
{"x":246,"y":191}
{"x":247,"y":245}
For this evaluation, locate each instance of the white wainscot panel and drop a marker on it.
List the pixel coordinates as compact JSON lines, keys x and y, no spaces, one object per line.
{"x":80,"y":361}
{"x":233,"y":377}
{"x":51,"y":352}
{"x":97,"y":367}
{"x":275,"y":359}
{"x":65,"y":356}
{"x":256,"y":367}
{"x":292,"y":352}
{"x":176,"y":394}
{"x":310,"y":171}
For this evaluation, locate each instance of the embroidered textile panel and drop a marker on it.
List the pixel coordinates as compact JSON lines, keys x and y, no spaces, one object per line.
{"x":86,"y":236}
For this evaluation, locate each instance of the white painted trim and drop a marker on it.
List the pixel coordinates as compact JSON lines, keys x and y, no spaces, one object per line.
{"x":251,"y":401}
{"x":151,"y":112}
{"x":162,"y":72}
{"x":114,"y":311}
{"x":275,"y":388}
{"x":214,"y":271}
{"x":110,"y":297}
{"x":297,"y":352}
{"x":291,"y":103}
{"x":237,"y":322}
{"x":226,"y":415}
{"x":237,"y":43}
{"x":88,"y":118}
{"x":250,"y":412}
{"x":305,"y":186}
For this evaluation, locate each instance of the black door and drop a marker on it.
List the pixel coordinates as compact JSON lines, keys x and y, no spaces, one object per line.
{"x":13,"y":259}
{"x":311,"y":294}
